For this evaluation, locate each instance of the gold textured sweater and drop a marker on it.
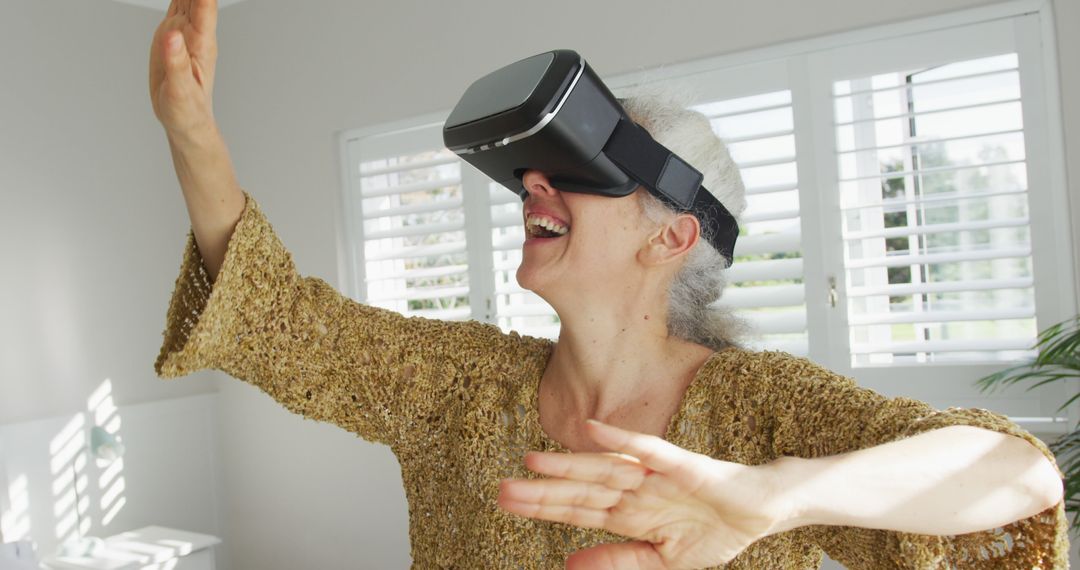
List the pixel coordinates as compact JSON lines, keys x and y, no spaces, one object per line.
{"x":457,"y":403}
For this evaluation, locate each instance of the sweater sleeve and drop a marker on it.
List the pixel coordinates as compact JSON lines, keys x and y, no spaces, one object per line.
{"x":320,"y":354}
{"x":815,"y":413}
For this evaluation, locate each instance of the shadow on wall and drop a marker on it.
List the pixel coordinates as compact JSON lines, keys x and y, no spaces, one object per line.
{"x":75,"y":478}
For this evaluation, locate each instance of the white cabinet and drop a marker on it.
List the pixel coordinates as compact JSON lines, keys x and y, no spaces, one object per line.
{"x":147,"y":548}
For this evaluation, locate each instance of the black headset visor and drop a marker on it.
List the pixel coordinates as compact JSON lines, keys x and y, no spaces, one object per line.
{"x":552,"y":113}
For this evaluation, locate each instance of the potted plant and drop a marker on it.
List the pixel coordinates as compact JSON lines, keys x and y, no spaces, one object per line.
{"x":1058,"y":360}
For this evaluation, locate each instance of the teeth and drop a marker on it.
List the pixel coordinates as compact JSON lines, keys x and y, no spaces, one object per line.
{"x":548,"y":224}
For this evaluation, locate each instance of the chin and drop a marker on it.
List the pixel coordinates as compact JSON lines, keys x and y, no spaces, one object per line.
{"x":532,"y":279}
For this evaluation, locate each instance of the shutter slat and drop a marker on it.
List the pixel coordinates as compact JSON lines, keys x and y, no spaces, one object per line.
{"x":419,"y":251}
{"x":509,"y":242}
{"x":758,"y":136}
{"x":932,"y":112}
{"x":763,"y":296}
{"x":527,"y":310}
{"x":757,"y":190}
{"x":458,"y":314}
{"x":417,"y":230}
{"x":767,"y":162}
{"x":499,"y":195}
{"x":770,"y":270}
{"x":902,"y":289}
{"x":768,"y":243}
{"x":777,"y":323}
{"x":768,"y":216}
{"x":434,"y":206}
{"x":920,"y":141}
{"x":742,"y":112}
{"x":406,"y":167}
{"x":938,"y":228}
{"x":932,"y":170}
{"x":409,"y":188}
{"x":414,"y":293}
{"x":506,"y":219}
{"x":868,"y":319}
{"x":944,"y":197}
{"x":976,"y":345}
{"x":952,"y":257}
{"x":443,"y":271}
{"x":925,"y":83}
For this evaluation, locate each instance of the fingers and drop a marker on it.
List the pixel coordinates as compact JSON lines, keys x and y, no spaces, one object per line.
{"x":559,"y":492}
{"x":636,"y":555}
{"x":172,"y":8}
{"x":203,"y":15}
{"x":577,"y":516}
{"x":609,"y":469}
{"x":654,"y":452}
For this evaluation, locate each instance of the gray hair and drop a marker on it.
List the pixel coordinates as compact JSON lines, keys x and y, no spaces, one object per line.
{"x":701,"y":279}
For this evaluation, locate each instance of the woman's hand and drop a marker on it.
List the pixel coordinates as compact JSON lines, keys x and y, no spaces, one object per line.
{"x":684,"y":509}
{"x":182,"y":60}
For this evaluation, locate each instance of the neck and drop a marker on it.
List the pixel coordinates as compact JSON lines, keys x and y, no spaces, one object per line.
{"x":607,"y":361}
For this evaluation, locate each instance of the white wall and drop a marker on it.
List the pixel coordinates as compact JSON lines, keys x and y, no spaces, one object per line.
{"x":91,"y":229}
{"x":168,"y":475}
{"x":292,"y":75}
{"x":91,"y":217}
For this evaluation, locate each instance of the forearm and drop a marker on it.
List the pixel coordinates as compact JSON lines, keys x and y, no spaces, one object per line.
{"x":948,"y":481}
{"x":212,"y":194}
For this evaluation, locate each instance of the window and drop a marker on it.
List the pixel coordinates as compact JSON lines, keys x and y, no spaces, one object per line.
{"x":903,"y":205}
{"x":411,"y":215}
{"x":766,"y":278}
{"x":933,"y":195}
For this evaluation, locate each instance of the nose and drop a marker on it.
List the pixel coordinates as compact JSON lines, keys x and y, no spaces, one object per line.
{"x":537,"y":184}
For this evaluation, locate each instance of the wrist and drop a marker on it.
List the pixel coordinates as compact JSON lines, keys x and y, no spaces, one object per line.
{"x":789,"y":478}
{"x":194,"y":140}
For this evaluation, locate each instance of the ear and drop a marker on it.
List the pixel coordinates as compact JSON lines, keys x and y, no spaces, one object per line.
{"x":671,"y":241}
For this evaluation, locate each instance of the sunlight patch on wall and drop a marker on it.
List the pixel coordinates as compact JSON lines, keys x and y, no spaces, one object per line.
{"x":72,"y":472}
{"x":14,"y":521}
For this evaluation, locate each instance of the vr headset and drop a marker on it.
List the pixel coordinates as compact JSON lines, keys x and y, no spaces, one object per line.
{"x":550,"y":112}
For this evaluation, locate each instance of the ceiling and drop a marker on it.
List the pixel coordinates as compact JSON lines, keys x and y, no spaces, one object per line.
{"x":164,"y":4}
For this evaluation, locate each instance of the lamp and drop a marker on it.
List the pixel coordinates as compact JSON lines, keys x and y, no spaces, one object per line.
{"x":106,"y":447}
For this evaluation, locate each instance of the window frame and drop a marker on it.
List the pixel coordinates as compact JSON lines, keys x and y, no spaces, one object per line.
{"x":807,"y":68}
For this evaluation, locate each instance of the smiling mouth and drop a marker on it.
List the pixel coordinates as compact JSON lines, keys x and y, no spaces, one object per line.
{"x":544,"y":227}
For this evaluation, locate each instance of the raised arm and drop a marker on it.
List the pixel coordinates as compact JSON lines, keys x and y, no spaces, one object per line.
{"x":183,"y":56}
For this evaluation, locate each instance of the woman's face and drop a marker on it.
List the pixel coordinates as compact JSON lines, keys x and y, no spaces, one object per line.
{"x":593,"y":246}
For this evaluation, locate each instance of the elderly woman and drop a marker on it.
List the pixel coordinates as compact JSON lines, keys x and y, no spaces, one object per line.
{"x":705,"y":454}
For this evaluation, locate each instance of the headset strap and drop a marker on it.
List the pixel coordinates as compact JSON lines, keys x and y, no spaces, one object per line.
{"x":673,"y":181}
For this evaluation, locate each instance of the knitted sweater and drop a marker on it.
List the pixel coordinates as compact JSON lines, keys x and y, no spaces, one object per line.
{"x":457,"y":404}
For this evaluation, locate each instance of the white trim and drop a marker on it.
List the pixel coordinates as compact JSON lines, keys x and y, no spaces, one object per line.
{"x":478,"y":236}
{"x":830,"y":41}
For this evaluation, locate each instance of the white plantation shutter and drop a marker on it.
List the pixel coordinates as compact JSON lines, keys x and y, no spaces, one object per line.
{"x":409,"y":209}
{"x":933,"y":190}
{"x":516,"y":308}
{"x":939,"y":212}
{"x":433,"y":237}
{"x":765,"y":282}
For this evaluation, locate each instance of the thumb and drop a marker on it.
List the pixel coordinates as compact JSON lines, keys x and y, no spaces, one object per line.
{"x":177,"y":60}
{"x":635,"y":555}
